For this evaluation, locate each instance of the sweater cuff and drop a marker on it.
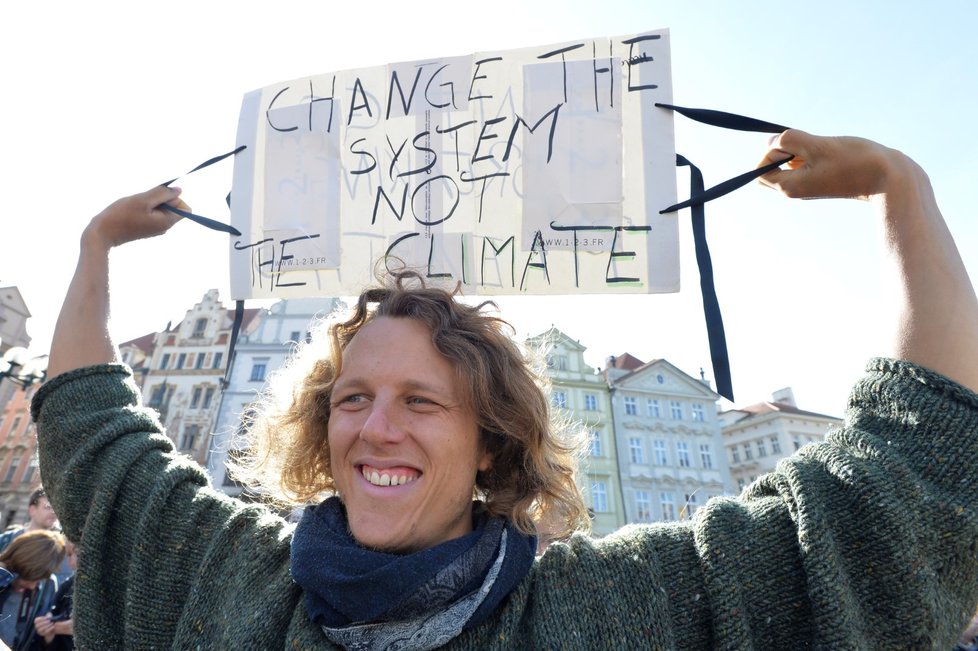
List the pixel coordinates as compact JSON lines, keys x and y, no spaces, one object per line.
{"x":97,"y":387}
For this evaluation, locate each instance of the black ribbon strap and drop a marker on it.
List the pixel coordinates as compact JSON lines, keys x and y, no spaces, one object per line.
{"x":200,"y":219}
{"x":235,"y":328}
{"x":698,"y":196}
{"x":711,"y":305}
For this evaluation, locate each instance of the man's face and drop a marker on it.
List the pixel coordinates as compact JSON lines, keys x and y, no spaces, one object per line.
{"x":42,"y":515}
{"x":404,"y":445}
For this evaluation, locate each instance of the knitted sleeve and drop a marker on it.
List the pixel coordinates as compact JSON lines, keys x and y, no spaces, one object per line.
{"x":163,"y":558}
{"x":885,"y":523}
{"x":865,"y":541}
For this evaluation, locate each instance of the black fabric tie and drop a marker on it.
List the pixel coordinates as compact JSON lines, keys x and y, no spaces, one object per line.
{"x":698,"y":196}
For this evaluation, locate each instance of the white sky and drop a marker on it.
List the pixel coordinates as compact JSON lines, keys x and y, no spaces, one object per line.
{"x":103,"y":99}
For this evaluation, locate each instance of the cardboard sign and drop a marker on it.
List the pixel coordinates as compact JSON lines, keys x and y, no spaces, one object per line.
{"x":530,"y":171}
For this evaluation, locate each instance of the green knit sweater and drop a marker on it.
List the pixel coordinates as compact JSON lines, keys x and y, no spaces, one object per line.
{"x":867,"y":541}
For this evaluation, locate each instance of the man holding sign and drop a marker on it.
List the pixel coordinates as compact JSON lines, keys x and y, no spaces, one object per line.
{"x":419,"y":402}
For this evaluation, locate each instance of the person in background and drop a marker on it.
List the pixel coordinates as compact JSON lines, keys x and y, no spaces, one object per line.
{"x":40,"y":517}
{"x":416,"y":431}
{"x":55,"y":629}
{"x":26,"y":566}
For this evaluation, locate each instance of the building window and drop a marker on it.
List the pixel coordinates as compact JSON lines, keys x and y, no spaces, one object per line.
{"x":590,"y":402}
{"x":631,"y":406}
{"x":652,"y":408}
{"x":689,"y":507}
{"x":558,"y":362}
{"x":734,"y":455}
{"x":195,"y":400}
{"x":775,"y":445}
{"x":218,"y":358}
{"x":797,"y":442}
{"x":660,"y":378}
{"x":740,"y":484}
{"x":682,"y":453}
{"x":748,"y":455}
{"x":698,"y":413}
{"x":676,"y":409}
{"x":643,"y":506}
{"x":668,"y":506}
{"x":13,"y":427}
{"x":761,"y":448}
{"x":29,"y":471}
{"x":295,"y":336}
{"x":636,"y":454}
{"x":200,"y":325}
{"x":594,"y":448}
{"x":706,"y":455}
{"x":559,"y":399}
{"x":165,"y":361}
{"x":599,"y":497}
{"x":181,"y":360}
{"x":258,"y":369}
{"x":190,"y":434}
{"x":208,"y":396}
{"x":659,"y":449}
{"x":200,"y":361}
{"x":12,"y":468}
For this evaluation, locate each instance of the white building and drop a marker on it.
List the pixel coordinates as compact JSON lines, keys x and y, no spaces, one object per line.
{"x":670,"y":447}
{"x":580,"y":394}
{"x":186,"y":370}
{"x":758,"y":436}
{"x":256,"y":354}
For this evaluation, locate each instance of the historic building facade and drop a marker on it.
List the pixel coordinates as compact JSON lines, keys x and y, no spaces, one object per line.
{"x":579,"y":395}
{"x":669,"y":442}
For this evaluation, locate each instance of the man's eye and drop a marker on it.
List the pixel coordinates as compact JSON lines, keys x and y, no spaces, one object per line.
{"x":418,"y":400}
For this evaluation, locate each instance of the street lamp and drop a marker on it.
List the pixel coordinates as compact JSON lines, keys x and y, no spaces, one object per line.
{"x":20,"y":368}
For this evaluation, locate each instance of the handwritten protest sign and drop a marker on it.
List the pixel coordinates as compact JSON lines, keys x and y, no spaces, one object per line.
{"x":536,"y":171}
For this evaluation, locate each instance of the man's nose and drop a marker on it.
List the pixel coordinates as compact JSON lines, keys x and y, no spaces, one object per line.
{"x":384,"y":423}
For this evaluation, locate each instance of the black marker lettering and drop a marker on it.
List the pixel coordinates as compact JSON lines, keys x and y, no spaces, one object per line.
{"x":496,"y":251}
{"x":312,"y":102}
{"x":482,"y":136}
{"x":622,"y":254}
{"x":373,"y":160}
{"x":458,"y":161}
{"x":269,"y":109}
{"x":476,"y":75}
{"x":550,"y":138}
{"x":405,"y":103}
{"x":451,"y":210}
{"x":434,"y":156}
{"x":397,"y":154}
{"x":256,"y":252}
{"x":451,"y":90}
{"x":537,"y":237}
{"x":282,"y":259}
{"x":431,"y":254}
{"x":387,"y":254}
{"x":635,"y":60}
{"x":358,"y":90}
{"x":603,"y":71}
{"x":574,"y":230}
{"x":397,"y":213}
{"x":563,"y":60}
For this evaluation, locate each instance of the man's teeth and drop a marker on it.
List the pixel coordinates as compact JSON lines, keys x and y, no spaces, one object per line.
{"x":378,"y":479}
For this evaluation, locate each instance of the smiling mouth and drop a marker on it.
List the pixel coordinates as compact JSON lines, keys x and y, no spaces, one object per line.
{"x":389,"y":476}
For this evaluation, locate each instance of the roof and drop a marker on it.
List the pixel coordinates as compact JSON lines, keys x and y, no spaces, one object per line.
{"x":144,"y":343}
{"x":762,"y":408}
{"x":627,"y":362}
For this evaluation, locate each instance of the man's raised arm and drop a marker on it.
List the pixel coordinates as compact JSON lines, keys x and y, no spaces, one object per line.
{"x":81,"y":334}
{"x":938,"y":321}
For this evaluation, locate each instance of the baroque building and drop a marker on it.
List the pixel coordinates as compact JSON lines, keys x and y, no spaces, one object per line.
{"x":670,"y":447}
{"x":186,"y":371}
{"x":579,"y":394}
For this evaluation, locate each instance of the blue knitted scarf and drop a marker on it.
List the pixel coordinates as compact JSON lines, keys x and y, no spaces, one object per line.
{"x":365,"y":599}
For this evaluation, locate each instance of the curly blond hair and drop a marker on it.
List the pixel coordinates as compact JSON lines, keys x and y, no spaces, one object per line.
{"x":531,"y":479}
